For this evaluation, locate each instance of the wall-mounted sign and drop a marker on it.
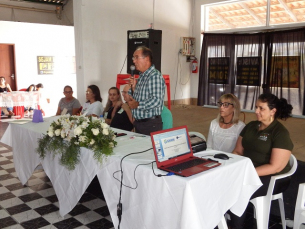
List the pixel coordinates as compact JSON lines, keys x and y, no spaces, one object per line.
{"x":249,"y":71}
{"x":45,"y":65}
{"x":285,"y":71}
{"x":219,"y":70}
{"x":51,"y":65}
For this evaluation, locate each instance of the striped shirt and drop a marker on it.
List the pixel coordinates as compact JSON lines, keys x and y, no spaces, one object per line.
{"x":149,"y":92}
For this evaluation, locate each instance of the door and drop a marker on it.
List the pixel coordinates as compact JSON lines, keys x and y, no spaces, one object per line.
{"x":7,"y":64}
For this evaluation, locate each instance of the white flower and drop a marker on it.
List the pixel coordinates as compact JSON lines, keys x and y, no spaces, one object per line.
{"x":111,"y":144}
{"x":82,"y":138}
{"x":76,"y":143}
{"x":57,"y":132}
{"x":104,"y":125}
{"x":50,"y":133}
{"x":105,"y":131}
{"x":92,"y":142}
{"x":84,"y":125}
{"x":63,"y":134}
{"x":78,"y":130}
{"x":51,"y":129}
{"x":95,"y":131}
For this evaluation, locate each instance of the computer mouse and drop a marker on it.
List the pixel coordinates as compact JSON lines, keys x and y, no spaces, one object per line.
{"x":221,"y":156}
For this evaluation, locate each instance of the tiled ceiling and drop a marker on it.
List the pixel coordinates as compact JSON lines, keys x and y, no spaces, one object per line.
{"x":253,"y":13}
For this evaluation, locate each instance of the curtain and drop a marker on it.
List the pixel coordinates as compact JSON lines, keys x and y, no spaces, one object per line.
{"x":249,"y":64}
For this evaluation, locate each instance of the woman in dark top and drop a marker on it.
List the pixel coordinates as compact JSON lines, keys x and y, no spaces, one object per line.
{"x":4,"y":88}
{"x":117,"y":114}
{"x":267,"y":143}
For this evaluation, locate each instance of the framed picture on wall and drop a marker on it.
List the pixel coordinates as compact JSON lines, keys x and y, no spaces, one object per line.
{"x":45,"y":65}
{"x":249,"y":71}
{"x":285,"y":71}
{"x":219,"y":70}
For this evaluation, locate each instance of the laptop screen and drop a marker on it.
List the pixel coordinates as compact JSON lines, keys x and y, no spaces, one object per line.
{"x":171,"y":143}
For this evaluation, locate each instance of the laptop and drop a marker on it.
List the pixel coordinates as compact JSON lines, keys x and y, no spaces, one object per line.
{"x":173,"y":153}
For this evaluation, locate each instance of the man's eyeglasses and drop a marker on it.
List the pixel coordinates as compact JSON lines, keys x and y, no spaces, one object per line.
{"x":67,"y":92}
{"x":137,"y":57}
{"x":225,"y":104}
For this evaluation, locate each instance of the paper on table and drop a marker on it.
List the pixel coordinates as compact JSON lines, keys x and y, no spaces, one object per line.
{"x":64,"y":111}
{"x":20,"y":121}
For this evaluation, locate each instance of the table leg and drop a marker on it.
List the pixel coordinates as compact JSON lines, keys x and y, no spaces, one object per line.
{"x":222,"y":224}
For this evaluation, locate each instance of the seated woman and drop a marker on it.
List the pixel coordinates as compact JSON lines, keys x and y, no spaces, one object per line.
{"x":118,"y":114}
{"x":4,"y":88}
{"x":93,"y":106}
{"x":33,"y":87}
{"x":68,"y":104}
{"x":267,"y":143}
{"x":225,"y":129}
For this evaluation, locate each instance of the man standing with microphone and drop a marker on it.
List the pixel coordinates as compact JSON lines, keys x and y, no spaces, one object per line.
{"x":147,"y":94}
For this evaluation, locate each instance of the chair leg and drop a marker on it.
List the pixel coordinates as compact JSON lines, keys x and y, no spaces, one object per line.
{"x":282,"y":210}
{"x":262,"y":211}
{"x":222,"y":224}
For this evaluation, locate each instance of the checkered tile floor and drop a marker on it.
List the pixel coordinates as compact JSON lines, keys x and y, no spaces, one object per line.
{"x":36,"y":205}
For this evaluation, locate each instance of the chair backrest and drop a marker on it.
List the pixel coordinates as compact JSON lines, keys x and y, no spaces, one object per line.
{"x":293,"y":163}
{"x":167,"y":118}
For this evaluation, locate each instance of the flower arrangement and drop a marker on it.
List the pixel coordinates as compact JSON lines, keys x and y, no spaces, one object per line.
{"x":67,"y":134}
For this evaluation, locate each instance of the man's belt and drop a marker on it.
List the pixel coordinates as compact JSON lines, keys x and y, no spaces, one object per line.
{"x":147,"y":119}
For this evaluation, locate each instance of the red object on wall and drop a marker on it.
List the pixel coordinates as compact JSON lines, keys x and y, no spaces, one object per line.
{"x":194,"y":66}
{"x":123,"y":79}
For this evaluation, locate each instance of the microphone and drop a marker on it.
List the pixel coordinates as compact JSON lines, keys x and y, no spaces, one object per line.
{"x":132,"y":68}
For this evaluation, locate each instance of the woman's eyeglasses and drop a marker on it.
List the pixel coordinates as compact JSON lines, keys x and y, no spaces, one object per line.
{"x":225,"y":104}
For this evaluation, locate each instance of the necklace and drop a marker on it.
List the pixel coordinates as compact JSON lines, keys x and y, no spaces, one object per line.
{"x":227,"y":122}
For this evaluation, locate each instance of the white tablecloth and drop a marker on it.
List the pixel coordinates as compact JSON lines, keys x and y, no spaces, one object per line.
{"x":20,"y":98}
{"x":167,"y":202}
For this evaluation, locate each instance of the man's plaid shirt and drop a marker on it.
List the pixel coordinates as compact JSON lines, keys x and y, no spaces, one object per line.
{"x":149,"y":92}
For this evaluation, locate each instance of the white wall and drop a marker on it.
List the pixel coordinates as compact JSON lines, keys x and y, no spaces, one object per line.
{"x":101,"y":39}
{"x":32,"y":40}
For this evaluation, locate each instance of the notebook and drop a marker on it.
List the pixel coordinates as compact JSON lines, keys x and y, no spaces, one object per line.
{"x":173,"y":153}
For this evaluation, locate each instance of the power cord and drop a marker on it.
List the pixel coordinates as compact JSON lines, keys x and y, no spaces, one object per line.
{"x":123,"y":64}
{"x":120,"y":206}
{"x":160,"y":175}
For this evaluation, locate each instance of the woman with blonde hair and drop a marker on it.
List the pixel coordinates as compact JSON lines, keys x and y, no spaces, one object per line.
{"x":225,"y":129}
{"x":117,"y":114}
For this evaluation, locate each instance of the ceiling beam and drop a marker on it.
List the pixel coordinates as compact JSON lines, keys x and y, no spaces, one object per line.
{"x":251,"y":12}
{"x":221,"y":18}
{"x":288,"y":10}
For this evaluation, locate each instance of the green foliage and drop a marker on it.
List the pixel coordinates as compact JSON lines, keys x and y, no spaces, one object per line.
{"x":67,"y":134}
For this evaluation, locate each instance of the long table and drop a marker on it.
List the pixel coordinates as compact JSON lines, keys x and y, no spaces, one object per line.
{"x":19,"y":100}
{"x":199,"y":201}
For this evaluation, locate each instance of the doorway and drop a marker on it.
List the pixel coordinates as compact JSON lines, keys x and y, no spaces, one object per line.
{"x":7,"y":64}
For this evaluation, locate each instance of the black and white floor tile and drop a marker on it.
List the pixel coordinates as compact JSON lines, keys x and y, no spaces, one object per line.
{"x":36,"y":205}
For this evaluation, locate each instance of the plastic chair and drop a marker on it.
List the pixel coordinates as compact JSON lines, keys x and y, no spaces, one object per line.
{"x":197,"y":134}
{"x":262,"y":203}
{"x":299,"y":213}
{"x":167,"y":118}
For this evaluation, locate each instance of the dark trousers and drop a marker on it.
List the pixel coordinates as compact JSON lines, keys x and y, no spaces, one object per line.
{"x":280,"y":186}
{"x":148,"y":126}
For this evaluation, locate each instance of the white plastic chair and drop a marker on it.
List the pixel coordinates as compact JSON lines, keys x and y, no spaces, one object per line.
{"x":197,"y":134}
{"x":262,"y":204}
{"x":299,"y":214}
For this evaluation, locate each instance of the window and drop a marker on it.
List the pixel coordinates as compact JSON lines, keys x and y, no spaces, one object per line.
{"x":253,"y":13}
